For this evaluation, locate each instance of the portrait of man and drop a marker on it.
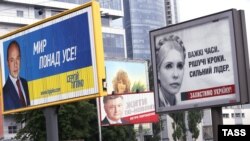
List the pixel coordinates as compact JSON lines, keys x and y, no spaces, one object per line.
{"x":15,"y":90}
{"x":113,"y":106}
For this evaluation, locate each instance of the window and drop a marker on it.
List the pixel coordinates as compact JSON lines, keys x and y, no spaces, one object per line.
{"x":105,"y":22}
{"x":39,"y":13}
{"x":232,"y":114}
{"x":12,"y":129}
{"x":243,"y":115}
{"x":111,"y":4}
{"x":225,"y":115}
{"x":237,"y":115}
{"x":113,"y":45}
{"x":19,"y":13}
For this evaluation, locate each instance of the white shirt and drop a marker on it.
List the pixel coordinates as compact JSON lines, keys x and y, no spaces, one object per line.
{"x":14,"y":83}
{"x":114,"y":122}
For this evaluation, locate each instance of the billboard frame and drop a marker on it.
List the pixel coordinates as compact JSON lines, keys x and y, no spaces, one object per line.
{"x":239,"y":53}
{"x":99,"y":55}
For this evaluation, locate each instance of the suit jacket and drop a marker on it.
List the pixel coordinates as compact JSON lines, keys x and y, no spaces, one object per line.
{"x":10,"y":95}
{"x":105,"y":121}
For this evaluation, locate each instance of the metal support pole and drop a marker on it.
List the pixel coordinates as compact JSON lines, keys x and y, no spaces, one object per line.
{"x":164,"y":130}
{"x":216,"y":120}
{"x":98,"y":119}
{"x":50,"y":114}
{"x":141,"y":132}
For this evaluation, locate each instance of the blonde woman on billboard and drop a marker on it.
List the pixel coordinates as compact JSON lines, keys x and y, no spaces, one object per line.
{"x":170,"y":57}
{"x":121,"y":83}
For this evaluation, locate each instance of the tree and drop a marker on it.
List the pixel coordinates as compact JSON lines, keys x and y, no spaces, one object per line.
{"x":138,"y":87}
{"x":121,"y":133}
{"x":194,"y":118}
{"x":35,"y":127}
{"x":75,"y":121}
{"x":156,"y":131}
{"x":178,"y":125}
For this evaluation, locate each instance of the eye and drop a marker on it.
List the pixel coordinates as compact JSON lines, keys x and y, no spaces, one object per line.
{"x":169,"y":66}
{"x":180,"y":65}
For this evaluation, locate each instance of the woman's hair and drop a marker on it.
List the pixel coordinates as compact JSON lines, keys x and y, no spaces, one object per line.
{"x":121,"y":76}
{"x":161,"y":54}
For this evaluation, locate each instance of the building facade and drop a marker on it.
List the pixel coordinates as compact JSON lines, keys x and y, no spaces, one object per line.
{"x":114,"y":40}
{"x":140,"y":17}
{"x":171,"y":12}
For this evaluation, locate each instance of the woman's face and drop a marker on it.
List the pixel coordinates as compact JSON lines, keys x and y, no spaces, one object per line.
{"x":171,"y":71}
{"x":121,"y":87}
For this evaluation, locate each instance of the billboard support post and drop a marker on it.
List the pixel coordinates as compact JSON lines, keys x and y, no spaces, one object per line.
{"x":98,"y":120}
{"x":50,"y":114}
{"x":164,"y":130}
{"x":216,"y":120}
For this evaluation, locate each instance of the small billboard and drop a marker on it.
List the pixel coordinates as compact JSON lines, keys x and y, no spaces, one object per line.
{"x":54,"y":61}
{"x":201,"y":62}
{"x":126,"y":76}
{"x":121,"y":109}
{"x":129,"y":100}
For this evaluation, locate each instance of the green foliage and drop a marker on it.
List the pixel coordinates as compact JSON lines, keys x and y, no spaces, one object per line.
{"x":156,"y":131}
{"x":118,"y":133}
{"x":75,"y":121}
{"x":35,"y":127}
{"x":138,"y":86}
{"x":178,"y":125}
{"x":194,"y":118}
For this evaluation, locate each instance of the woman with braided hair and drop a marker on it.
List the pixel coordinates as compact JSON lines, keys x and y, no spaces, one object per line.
{"x":170,"y":58}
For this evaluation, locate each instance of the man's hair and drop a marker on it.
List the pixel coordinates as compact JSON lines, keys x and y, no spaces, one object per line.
{"x":14,"y":42}
{"x":107,"y":98}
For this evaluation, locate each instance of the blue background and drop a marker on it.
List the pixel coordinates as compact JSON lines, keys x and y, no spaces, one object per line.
{"x":65,"y":34}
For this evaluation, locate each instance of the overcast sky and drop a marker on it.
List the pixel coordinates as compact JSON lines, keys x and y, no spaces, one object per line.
{"x":190,"y":9}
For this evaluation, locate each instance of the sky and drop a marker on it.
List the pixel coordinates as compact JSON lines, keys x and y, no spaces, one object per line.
{"x":190,"y":9}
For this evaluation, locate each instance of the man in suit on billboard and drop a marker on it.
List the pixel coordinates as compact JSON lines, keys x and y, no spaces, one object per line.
{"x":113,"y":106}
{"x":15,"y":91}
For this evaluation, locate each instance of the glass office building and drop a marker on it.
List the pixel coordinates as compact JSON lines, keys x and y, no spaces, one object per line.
{"x":141,"y":16}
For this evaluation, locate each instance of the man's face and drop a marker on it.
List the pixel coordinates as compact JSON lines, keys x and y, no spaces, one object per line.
{"x":14,"y":60}
{"x":114,"y":108}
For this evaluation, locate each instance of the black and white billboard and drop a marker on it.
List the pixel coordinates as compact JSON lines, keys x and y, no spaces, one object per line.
{"x":201,"y":62}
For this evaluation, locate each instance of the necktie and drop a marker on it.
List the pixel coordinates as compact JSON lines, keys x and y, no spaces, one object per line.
{"x":20,"y":93}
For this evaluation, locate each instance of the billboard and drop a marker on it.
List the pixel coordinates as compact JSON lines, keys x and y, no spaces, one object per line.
{"x":128,"y":100}
{"x":127,"y":75}
{"x":201,"y":62}
{"x":120,"y":109}
{"x":53,"y":61}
